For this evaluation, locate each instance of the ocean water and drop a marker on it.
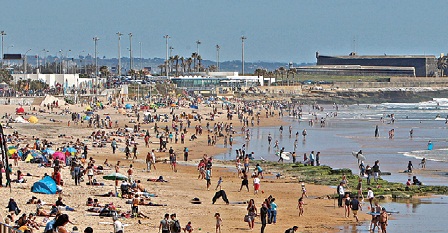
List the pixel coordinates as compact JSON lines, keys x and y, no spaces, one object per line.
{"x":353,"y":130}
{"x":421,"y":215}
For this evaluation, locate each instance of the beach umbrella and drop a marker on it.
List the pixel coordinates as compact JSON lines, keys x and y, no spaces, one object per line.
{"x":12,"y":150}
{"x":115,"y":176}
{"x":20,"y":110}
{"x":48,"y":151}
{"x":33,"y":119}
{"x":71,"y":150}
{"x":59,"y":155}
{"x":128,"y":106}
{"x":173,"y":105}
{"x":88,"y":108}
{"x":86,"y":118}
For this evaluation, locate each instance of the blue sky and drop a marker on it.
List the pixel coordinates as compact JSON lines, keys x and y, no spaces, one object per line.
{"x":290,"y":30}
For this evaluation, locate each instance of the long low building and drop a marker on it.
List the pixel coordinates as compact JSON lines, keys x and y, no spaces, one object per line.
{"x":205,"y":81}
{"x":68,"y":80}
{"x":357,"y":70}
{"x":424,"y":65}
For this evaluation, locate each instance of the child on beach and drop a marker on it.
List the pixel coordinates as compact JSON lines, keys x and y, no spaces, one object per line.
{"x":218,"y":222}
{"x":219,"y":183}
{"x":304,"y":190}
{"x":347,"y":206}
{"x":300,"y":206}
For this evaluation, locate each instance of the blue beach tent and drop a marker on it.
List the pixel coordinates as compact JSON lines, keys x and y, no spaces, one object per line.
{"x":45,"y":186}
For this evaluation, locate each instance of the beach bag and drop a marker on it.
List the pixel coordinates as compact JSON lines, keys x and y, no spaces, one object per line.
{"x":176,"y":226}
{"x":246,"y":218}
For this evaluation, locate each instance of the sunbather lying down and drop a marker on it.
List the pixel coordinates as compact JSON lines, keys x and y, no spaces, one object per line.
{"x":142,"y":202}
{"x":160,"y":179}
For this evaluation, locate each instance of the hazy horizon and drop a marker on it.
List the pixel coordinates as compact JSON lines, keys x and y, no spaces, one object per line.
{"x":276,"y":31}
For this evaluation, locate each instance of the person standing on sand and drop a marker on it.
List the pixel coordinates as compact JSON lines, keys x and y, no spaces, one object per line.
{"x":370,"y":196}
{"x":113,"y":145}
{"x":164,"y":225}
{"x":355,"y":205}
{"x":244,"y":181}
{"x":273,"y":211}
{"x":341,"y":193}
{"x":263,"y":215}
{"x":208,"y":178}
{"x":376,"y":171}
{"x":256,"y":184}
{"x":383,"y":218}
{"x":252,"y":212}
{"x":153,"y":159}
{"x":148,"y":162}
{"x":348,"y":205}
{"x":218,"y":222}
{"x":300,"y":206}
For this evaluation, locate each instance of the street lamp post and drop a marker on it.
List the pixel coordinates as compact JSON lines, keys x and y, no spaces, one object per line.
{"x":242,"y":54}
{"x":25,"y":70}
{"x":130,"y":54}
{"x":141,"y":61}
{"x":167,"y":37}
{"x":66,"y":61}
{"x":119,"y":53}
{"x":217,"y":57}
{"x":96,"y":39}
{"x":198,"y":42}
{"x":2,"y":33}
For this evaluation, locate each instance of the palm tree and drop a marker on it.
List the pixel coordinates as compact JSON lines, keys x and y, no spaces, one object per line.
{"x":199,"y":63}
{"x":161,"y":67}
{"x":281,"y":71}
{"x":212,"y":68}
{"x":182,"y":64}
{"x":194,"y":56}
{"x":442,"y":64}
{"x":176,"y":59}
{"x":189,"y":61}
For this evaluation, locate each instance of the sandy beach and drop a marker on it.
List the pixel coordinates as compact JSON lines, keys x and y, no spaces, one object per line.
{"x":320,"y":214}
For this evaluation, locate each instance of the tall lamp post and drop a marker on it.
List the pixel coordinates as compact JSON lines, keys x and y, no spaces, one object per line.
{"x":2,"y":33}
{"x":130,"y":53}
{"x":141,"y":61}
{"x":167,"y":37}
{"x":242,"y":54}
{"x":119,"y":53}
{"x":96,"y":39}
{"x":217,"y":57}
{"x":25,"y":70}
{"x":198,"y":42}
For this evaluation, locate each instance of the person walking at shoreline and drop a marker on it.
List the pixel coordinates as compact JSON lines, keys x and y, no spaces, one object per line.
{"x":341,"y":193}
{"x":355,"y":206}
{"x":370,"y":196}
{"x":383,"y":218}
{"x":208,"y":178}
{"x":347,"y":205}
{"x":377,"y":132}
{"x":376,"y":171}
